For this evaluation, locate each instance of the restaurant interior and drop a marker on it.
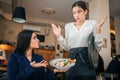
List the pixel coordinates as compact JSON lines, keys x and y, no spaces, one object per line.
{"x":37,"y":16}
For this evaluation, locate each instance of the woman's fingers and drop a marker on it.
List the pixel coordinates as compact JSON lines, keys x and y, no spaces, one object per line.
{"x":101,"y":22}
{"x":60,"y":70}
{"x":105,"y":17}
{"x":32,"y":63}
{"x":56,"y":30}
{"x":43,"y":63}
{"x":59,"y":27}
{"x":53,"y":26}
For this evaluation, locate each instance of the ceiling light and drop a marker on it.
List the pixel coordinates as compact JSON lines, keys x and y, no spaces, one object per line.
{"x":19,"y":15}
{"x":48,"y":11}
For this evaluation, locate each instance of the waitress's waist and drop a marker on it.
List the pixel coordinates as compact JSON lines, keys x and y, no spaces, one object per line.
{"x":79,"y":53}
{"x":78,"y":48}
{"x":81,"y":46}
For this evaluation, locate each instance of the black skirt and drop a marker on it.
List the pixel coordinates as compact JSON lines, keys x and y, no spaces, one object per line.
{"x":82,"y":69}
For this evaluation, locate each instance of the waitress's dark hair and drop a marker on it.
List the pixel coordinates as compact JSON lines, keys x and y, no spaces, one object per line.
{"x":81,"y":4}
{"x":23,"y":41}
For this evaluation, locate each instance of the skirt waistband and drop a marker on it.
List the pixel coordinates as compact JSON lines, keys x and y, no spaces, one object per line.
{"x":80,"y":51}
{"x":78,"y":48}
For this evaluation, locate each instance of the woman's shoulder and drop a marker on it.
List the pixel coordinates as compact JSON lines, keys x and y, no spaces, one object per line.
{"x":14,"y":57}
{"x":91,"y":21}
{"x":69,"y":24}
{"x":14,"y":54}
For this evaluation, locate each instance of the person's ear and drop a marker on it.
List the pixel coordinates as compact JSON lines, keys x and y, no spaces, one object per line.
{"x":86,"y":11}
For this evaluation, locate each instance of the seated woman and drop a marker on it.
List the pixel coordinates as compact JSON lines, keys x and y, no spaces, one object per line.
{"x":24,"y":64}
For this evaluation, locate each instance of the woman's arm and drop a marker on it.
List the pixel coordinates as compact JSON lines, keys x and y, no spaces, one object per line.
{"x":97,"y":33}
{"x":45,"y":73}
{"x":57,"y":32}
{"x":14,"y":72}
{"x":63,"y":43}
{"x":98,"y":41}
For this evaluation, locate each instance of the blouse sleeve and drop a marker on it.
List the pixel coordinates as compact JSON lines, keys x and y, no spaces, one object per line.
{"x":98,"y":39}
{"x":13,"y":73}
{"x":63,"y":41}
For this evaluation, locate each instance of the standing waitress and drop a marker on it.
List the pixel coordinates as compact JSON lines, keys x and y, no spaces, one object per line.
{"x":75,"y":41}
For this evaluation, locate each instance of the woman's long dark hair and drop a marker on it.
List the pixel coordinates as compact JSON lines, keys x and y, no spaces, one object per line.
{"x":23,"y":41}
{"x":81,"y":4}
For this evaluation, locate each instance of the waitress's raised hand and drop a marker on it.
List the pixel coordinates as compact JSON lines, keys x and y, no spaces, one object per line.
{"x":99,"y":24}
{"x":56,"y":30}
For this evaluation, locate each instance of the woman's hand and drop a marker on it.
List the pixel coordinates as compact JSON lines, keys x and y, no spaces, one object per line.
{"x":60,"y":70}
{"x":99,"y":24}
{"x":56,"y":30}
{"x":43,"y":63}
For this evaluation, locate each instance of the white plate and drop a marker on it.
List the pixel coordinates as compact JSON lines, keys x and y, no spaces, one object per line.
{"x":52,"y":63}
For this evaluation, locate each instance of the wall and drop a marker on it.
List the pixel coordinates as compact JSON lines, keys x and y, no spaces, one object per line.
{"x":9,"y":31}
{"x":117,"y":34}
{"x":1,"y":29}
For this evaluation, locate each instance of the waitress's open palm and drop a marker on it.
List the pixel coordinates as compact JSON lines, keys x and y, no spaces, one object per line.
{"x":101,"y":22}
{"x":56,"y":30}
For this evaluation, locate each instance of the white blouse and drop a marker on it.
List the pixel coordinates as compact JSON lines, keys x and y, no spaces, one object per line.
{"x":78,"y":38}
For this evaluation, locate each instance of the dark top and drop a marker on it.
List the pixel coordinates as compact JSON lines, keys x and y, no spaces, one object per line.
{"x":19,"y":68}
